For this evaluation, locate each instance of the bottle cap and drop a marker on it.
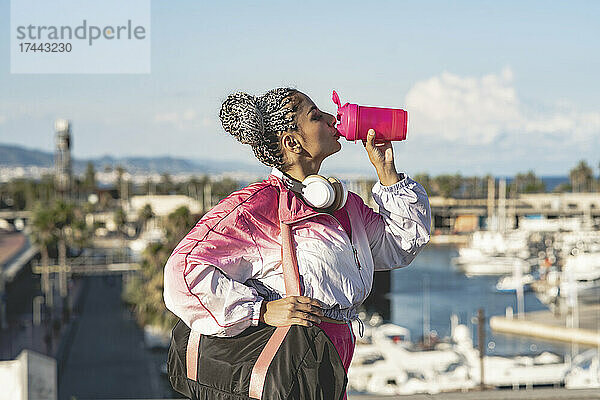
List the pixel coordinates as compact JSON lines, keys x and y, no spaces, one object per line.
{"x":347,"y":118}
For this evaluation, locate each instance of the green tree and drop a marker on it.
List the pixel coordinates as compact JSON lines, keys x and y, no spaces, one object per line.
{"x":119,"y":183}
{"x":425,"y":181}
{"x":581,"y":177}
{"x":472,"y":187}
{"x":447,"y":185}
{"x":144,"y":291}
{"x":195,"y":186}
{"x":64,"y":215}
{"x":224,"y":187}
{"x":528,"y":183}
{"x":144,"y":215}
{"x":166,"y":184}
{"x":120,"y":220}
{"x":44,"y":235}
{"x":89,"y":180}
{"x":178,"y":223}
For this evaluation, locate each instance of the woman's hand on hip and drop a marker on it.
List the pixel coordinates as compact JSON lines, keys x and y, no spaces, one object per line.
{"x":292,"y":310}
{"x":381,"y":156}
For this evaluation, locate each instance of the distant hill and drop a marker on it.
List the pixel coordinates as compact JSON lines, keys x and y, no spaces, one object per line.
{"x":16,"y":155}
{"x":11,"y":155}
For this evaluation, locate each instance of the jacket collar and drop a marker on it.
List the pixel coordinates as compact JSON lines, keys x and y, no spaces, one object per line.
{"x":291,"y":207}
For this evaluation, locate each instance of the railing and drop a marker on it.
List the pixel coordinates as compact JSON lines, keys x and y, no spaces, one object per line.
{"x":91,"y":264}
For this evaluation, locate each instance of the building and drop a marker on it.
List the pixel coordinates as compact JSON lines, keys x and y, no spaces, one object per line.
{"x":62,"y":157}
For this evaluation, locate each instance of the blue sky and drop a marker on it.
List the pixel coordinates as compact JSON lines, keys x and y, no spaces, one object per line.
{"x":490,"y":87}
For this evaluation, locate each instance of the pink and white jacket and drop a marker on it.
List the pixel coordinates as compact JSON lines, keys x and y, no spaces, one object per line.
{"x":220,"y":273}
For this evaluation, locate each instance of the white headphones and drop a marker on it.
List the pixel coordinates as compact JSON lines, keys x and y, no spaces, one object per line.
{"x":328,"y":194}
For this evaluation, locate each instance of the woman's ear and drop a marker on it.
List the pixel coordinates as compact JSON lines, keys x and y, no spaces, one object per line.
{"x":291,"y":144}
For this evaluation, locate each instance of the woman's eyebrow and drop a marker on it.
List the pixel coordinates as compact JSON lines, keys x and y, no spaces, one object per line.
{"x":312,"y":108}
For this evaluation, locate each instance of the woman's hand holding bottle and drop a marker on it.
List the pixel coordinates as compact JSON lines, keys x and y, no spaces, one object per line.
{"x":381,"y":156}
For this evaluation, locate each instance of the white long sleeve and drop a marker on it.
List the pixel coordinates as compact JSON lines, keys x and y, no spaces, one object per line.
{"x":402,"y":227}
{"x":203,"y":279}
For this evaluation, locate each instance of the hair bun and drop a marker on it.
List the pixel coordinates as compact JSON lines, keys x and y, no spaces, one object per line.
{"x":241,"y":117}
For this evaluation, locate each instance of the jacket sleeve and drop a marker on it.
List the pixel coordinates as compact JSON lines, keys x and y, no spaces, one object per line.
{"x":402,"y":227}
{"x":203,"y":279}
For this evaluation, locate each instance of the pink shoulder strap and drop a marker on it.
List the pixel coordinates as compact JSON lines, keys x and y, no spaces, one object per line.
{"x":292,"y":288}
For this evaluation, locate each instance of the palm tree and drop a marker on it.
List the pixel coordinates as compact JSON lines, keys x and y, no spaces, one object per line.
{"x":598,"y":181}
{"x":178,"y":223}
{"x":224,"y":187}
{"x":425,"y":181}
{"x":44,"y":234}
{"x":120,"y":220}
{"x":145,"y":290}
{"x":166,"y":183}
{"x":581,"y":177}
{"x":121,"y":183}
{"x":528,"y":183}
{"x":80,"y":234}
{"x":64,"y":216}
{"x":145,"y":215}
{"x":89,"y":181}
{"x":447,"y":185}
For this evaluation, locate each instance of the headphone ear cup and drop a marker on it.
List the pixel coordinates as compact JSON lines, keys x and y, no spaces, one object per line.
{"x":318,"y":192}
{"x":340,"y":193}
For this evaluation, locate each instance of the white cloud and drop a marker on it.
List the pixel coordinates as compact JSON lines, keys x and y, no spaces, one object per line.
{"x":186,"y":119}
{"x":479,"y":110}
{"x":2,"y":119}
{"x":208,"y":122}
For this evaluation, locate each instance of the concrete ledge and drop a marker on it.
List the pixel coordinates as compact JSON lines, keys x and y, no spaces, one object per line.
{"x":535,"y":394}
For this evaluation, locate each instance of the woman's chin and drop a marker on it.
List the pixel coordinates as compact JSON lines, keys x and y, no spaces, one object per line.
{"x":336,"y":148}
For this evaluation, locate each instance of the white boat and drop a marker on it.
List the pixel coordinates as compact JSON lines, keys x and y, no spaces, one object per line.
{"x":585,"y":266}
{"x":510,"y":283}
{"x":551,"y":225}
{"x":542,"y":370}
{"x":584,"y":372}
{"x":494,"y":266}
{"x":493,"y":243}
{"x":386,"y":379}
{"x":386,"y":367}
{"x":581,"y":274}
{"x":391,"y":334}
{"x":373,"y":371}
{"x":391,"y":364}
{"x":494,"y":253}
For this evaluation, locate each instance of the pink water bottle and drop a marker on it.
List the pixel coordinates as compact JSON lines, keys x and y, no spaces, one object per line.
{"x":355,"y":121}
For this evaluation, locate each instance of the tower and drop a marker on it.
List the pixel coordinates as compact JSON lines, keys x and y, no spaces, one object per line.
{"x":62,"y":157}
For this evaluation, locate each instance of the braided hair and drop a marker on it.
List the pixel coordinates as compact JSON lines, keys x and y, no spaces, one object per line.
{"x":259,"y":122}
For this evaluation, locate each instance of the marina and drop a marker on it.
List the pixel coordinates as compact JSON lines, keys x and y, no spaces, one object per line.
{"x":538,"y":287}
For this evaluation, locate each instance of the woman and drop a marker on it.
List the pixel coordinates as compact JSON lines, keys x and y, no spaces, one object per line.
{"x":225,"y":275}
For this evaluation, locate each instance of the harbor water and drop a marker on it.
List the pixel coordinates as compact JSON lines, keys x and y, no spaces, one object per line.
{"x":432,"y":289}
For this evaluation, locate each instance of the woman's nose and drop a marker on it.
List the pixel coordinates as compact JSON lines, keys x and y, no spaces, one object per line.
{"x":332,"y":120}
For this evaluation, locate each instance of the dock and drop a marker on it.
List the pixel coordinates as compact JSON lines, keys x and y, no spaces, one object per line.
{"x":548,"y":326}
{"x":533,"y":394}
{"x":449,"y":239}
